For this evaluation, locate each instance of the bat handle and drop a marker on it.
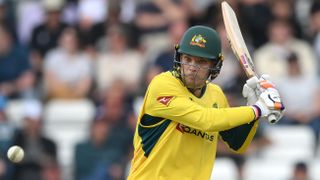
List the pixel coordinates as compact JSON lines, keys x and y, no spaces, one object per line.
{"x":272,"y":119}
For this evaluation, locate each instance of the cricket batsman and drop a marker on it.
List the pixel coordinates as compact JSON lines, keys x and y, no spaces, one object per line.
{"x":184,"y":114}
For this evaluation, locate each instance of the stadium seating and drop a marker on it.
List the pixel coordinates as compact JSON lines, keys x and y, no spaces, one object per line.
{"x":289,"y":144}
{"x":224,"y":168}
{"x":14,"y":111}
{"x":266,"y":170}
{"x":67,"y":123}
{"x":314,"y":170}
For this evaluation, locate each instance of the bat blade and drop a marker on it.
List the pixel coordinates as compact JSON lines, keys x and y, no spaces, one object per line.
{"x":236,"y":40}
{"x":238,"y":45}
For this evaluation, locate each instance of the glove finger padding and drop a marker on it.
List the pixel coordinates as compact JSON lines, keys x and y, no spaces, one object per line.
{"x":249,"y":94}
{"x":253,"y":82}
{"x":265,"y":82}
{"x":250,"y":90}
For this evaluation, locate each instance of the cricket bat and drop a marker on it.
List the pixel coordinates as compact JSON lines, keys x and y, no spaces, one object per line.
{"x":238,"y":45}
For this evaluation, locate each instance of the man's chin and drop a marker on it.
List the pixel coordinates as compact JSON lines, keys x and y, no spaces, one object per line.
{"x":191,"y":83}
{"x":194,"y":86}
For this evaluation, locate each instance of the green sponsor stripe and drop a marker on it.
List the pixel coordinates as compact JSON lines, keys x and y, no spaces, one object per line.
{"x":151,"y":135}
{"x":235,"y":137}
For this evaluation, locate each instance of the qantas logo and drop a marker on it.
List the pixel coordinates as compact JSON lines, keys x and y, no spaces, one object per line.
{"x":185,"y":129}
{"x":165,"y":99}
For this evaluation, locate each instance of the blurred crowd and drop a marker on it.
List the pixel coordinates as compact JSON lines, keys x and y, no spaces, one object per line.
{"x":107,"y":51}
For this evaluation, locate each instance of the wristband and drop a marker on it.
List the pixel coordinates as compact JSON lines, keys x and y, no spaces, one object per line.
{"x":257,"y":111}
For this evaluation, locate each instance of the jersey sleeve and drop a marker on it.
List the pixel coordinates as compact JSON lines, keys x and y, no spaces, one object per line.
{"x":167,"y":100}
{"x":238,"y":138}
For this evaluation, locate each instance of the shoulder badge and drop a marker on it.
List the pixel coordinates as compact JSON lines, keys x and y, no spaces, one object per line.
{"x":215,"y":105}
{"x":164,"y":99}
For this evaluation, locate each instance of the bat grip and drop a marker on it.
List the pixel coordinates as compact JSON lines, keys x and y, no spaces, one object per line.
{"x":272,"y":119}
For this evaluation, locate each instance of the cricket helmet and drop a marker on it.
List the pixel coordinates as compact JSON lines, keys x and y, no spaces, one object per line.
{"x":201,"y":41}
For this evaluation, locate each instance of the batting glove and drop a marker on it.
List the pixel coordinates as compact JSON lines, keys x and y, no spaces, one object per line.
{"x":251,"y":91}
{"x":265,"y":83}
{"x":254,"y":87}
{"x":269,"y":102}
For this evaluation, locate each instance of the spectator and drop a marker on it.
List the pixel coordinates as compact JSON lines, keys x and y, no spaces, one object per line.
{"x":300,"y":171}
{"x":116,"y":111}
{"x":175,"y":32}
{"x":68,"y":72}
{"x":284,"y":9}
{"x":118,"y":61}
{"x":113,"y":105}
{"x":100,"y":157}
{"x":271,"y":57}
{"x":155,"y":16}
{"x":39,"y":150}
{"x":51,"y":171}
{"x":29,"y":14}
{"x":315,"y":30}
{"x":45,"y":36}
{"x":152,"y":21}
{"x":7,"y":17}
{"x":93,"y":155}
{"x":90,"y":12}
{"x":16,"y":77}
{"x":117,"y":12}
{"x":301,"y":109}
{"x":254,"y":17}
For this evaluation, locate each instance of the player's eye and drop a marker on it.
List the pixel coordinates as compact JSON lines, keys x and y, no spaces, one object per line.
{"x":202,"y":62}
{"x":187,"y":59}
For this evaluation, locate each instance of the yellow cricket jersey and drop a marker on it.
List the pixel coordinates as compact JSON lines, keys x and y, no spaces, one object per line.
{"x":177,"y":132}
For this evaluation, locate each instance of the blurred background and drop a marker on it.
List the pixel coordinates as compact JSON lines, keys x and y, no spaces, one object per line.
{"x":73,"y":74}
